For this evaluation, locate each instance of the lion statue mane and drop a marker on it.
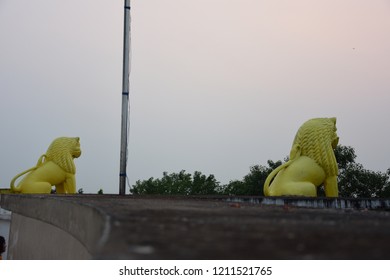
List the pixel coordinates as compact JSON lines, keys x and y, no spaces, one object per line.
{"x":312,"y":162}
{"x":55,"y":168}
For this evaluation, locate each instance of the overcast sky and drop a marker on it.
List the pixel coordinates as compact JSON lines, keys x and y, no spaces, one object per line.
{"x":216,"y":85}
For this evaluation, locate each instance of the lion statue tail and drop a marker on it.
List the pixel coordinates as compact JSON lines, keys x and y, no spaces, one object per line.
{"x":294,"y":154}
{"x":39,"y":163}
{"x":266,"y":188}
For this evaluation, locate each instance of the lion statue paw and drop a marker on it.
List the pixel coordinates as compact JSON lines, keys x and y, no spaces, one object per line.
{"x":312,"y":162}
{"x":55,"y":168}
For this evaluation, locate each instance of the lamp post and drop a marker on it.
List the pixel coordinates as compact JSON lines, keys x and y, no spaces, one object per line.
{"x":125,"y":100}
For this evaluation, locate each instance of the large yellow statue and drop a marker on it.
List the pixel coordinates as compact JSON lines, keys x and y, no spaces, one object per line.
{"x":312,"y":162}
{"x":55,"y":168}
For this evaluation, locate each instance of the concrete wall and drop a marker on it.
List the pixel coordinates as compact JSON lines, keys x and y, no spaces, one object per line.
{"x":34,"y":239}
{"x":5,"y":222}
{"x":44,"y":228}
{"x":136,"y":227}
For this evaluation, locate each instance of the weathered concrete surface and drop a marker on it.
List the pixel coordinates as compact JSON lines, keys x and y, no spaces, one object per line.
{"x":132,"y":227}
{"x":321,"y":203}
{"x":34,"y":239}
{"x":5,"y":221}
{"x":52,"y":227}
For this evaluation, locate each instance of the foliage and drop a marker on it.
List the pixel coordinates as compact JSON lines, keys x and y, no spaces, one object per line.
{"x":80,"y":191}
{"x":100,"y":191}
{"x":251,"y":184}
{"x":356,"y":181}
{"x":178,"y":183}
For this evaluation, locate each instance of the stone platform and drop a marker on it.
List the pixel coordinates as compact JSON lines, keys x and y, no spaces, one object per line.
{"x":161,"y":227}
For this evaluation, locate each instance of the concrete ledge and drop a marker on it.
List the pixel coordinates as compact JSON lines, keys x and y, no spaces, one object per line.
{"x":321,"y":203}
{"x":202,"y":227}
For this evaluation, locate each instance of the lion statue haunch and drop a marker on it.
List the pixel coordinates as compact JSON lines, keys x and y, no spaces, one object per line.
{"x":312,"y":162}
{"x":55,"y":168}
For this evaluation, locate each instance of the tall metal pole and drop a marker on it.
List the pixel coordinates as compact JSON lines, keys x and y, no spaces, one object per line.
{"x":125,"y":100}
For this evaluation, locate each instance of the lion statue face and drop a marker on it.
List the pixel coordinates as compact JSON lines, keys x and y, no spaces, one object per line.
{"x":75,"y":148}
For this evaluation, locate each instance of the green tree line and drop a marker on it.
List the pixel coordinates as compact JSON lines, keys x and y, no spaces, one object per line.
{"x":353,"y":180}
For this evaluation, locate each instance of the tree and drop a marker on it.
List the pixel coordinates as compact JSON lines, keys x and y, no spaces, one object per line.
{"x":345,"y":155}
{"x":178,"y":183}
{"x":356,"y":181}
{"x":252,"y":183}
{"x":204,"y":185}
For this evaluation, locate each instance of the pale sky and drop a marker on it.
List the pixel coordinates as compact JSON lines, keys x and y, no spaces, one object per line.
{"x":215,"y":86}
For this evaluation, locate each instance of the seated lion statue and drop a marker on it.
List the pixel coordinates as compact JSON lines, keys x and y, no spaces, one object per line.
{"x":55,"y":168}
{"x":312,"y":162}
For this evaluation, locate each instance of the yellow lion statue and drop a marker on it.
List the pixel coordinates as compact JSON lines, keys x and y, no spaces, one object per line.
{"x":55,"y":168}
{"x":312,"y":162}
